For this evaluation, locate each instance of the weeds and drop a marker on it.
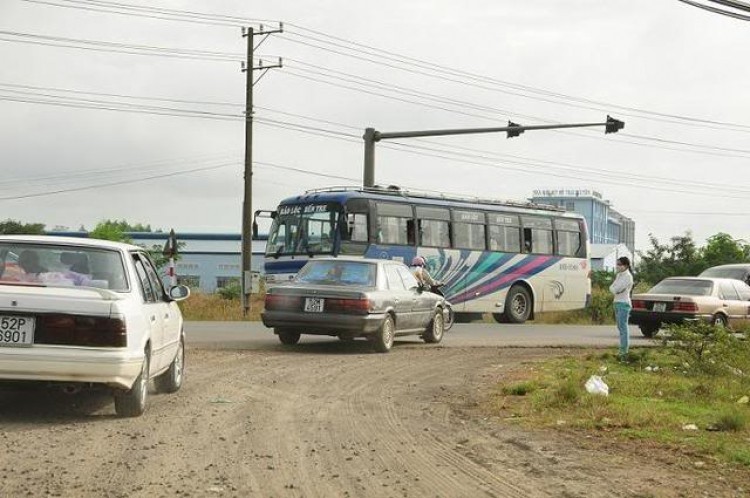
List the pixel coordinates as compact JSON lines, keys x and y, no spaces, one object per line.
{"x":520,"y":389}
{"x":652,"y":396}
{"x":732,"y":420}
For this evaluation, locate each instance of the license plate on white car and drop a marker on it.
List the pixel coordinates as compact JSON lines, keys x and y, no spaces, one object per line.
{"x":660,"y":307}
{"x":16,"y":330}
{"x":314,"y":305}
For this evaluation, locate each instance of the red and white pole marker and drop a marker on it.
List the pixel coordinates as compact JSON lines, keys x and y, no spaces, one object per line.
{"x":170,"y":249}
{"x":172,"y":274}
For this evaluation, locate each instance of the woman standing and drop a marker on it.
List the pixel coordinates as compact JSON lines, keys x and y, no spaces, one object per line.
{"x":621,"y":288}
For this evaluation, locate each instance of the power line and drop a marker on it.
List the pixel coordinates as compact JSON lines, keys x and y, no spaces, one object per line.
{"x":495,"y":120}
{"x":181,"y":53}
{"x":153,"y":12}
{"x":112,"y":184}
{"x":328,"y":134}
{"x":322,"y":37}
{"x":116,"y":47}
{"x":715,"y":10}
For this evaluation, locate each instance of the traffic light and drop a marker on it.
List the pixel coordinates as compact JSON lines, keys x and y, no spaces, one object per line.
{"x":516,"y":132}
{"x":613,"y":125}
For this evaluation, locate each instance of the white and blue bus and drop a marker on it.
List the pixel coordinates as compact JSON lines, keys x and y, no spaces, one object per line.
{"x":508,"y":259}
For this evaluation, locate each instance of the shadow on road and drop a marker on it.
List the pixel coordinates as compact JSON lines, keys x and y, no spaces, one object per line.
{"x":311,"y":346}
{"x":41,"y":404}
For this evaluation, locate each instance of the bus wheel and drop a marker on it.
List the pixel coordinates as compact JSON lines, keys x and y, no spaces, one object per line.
{"x":518,"y":304}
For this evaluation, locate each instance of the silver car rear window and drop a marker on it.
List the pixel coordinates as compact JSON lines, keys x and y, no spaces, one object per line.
{"x":350,"y":273}
{"x":684,"y":287}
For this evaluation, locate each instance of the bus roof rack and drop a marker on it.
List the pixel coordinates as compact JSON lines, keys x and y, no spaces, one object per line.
{"x":406,"y":193}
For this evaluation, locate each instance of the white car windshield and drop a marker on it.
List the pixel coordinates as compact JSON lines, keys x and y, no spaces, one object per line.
{"x":61,"y":266}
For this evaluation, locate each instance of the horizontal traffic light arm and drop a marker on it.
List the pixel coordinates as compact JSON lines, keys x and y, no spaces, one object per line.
{"x":612,"y":125}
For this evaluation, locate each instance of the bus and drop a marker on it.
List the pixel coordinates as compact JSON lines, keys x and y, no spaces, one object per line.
{"x":509,"y":259}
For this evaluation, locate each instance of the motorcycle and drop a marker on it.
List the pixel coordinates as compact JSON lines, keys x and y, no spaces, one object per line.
{"x":449,"y":320}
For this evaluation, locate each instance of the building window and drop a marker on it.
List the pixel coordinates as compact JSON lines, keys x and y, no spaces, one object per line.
{"x":222,"y":282}
{"x":570,"y":206}
{"x":227,"y":267}
{"x":187,"y":266}
{"x":192,"y":281}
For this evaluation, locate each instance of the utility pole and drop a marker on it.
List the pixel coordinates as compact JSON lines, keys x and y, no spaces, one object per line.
{"x":249,"y":69}
{"x":372,"y":136}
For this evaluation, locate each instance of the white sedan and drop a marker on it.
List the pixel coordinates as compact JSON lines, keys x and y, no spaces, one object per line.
{"x":79,"y":312}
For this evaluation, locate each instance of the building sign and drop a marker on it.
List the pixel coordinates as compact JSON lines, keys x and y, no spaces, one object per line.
{"x":567,"y":193}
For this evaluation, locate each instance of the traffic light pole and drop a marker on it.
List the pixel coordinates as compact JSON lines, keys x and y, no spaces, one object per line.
{"x":249,"y":68}
{"x":372,"y":136}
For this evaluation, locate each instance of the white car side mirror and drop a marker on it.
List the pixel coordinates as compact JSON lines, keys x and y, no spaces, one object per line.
{"x":179,"y":292}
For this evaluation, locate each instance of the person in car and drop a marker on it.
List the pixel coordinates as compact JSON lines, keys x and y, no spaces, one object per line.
{"x":29,"y":261}
{"x":621,"y":289}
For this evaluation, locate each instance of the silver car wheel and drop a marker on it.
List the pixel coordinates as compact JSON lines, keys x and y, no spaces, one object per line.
{"x":388,"y":334}
{"x":438,"y":326}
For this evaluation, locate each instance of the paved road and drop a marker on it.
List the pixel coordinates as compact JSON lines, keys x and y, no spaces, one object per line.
{"x":253,"y":335}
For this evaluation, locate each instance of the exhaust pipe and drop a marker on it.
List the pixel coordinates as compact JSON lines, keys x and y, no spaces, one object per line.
{"x":71,"y":389}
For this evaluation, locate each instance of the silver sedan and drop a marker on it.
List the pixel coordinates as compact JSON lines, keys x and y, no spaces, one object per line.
{"x":348,"y":298}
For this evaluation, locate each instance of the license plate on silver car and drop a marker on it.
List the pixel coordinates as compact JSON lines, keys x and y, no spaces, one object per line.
{"x":314,"y":305}
{"x":660,"y":307}
{"x":17,"y":330}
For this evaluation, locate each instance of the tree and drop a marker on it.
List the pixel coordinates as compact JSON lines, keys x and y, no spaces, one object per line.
{"x":110,"y":230}
{"x":681,"y":256}
{"x":722,"y":249}
{"x":14,"y":227}
{"x":115,"y":230}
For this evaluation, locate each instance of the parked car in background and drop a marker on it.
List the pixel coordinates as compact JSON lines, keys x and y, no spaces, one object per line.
{"x":80,"y":312}
{"x":739,"y":272}
{"x":721,"y":301}
{"x":354,"y":297}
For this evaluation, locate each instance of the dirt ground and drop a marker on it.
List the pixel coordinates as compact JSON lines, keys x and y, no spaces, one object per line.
{"x":324,"y":420}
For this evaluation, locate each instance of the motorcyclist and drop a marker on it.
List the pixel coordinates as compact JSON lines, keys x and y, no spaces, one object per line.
{"x":419,"y":270}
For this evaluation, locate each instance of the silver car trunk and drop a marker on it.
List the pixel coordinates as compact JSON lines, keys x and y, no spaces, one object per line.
{"x":323,"y":291}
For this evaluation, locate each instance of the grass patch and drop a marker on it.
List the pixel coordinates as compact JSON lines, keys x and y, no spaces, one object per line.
{"x":652,"y":397}
{"x":213,"y":307}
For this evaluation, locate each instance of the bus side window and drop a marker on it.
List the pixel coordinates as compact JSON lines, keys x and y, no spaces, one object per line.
{"x":354,"y":234}
{"x":527,"y":247}
{"x":355,"y":229}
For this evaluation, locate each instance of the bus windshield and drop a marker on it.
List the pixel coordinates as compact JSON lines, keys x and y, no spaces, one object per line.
{"x":303,"y":229}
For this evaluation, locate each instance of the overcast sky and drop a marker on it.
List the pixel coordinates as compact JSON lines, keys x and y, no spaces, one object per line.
{"x":657,"y":55}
